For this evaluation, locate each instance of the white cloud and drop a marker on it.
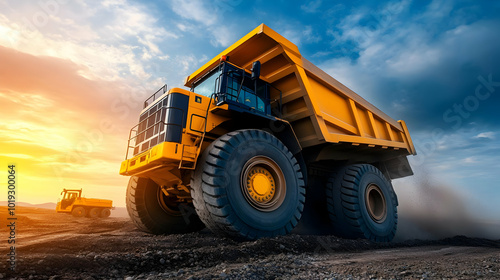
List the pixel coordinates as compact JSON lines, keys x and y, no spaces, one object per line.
{"x":311,"y":7}
{"x":321,"y":54}
{"x":436,"y":10}
{"x":222,"y":36}
{"x":197,"y":10}
{"x":469,"y":160}
{"x":486,"y":135}
{"x":182,"y":27}
{"x":399,"y":46}
{"x":297,"y":33}
{"x":455,"y":156}
{"x":310,"y":35}
{"x":210,"y":18}
{"x":112,"y":40}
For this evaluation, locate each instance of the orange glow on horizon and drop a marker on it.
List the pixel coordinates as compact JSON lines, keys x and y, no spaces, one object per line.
{"x":60,"y":129}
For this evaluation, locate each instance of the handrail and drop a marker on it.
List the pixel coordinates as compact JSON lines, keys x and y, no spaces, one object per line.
{"x":137,"y":135}
{"x":146,"y":103}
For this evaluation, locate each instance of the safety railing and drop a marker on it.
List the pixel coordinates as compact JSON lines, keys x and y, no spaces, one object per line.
{"x":135,"y":129}
{"x":163,"y":89}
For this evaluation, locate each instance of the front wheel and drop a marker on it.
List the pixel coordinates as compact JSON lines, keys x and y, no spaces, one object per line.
{"x":248,"y":185}
{"x":362,"y":203}
{"x":154,"y":212}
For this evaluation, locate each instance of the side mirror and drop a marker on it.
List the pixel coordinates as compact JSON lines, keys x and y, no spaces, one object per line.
{"x":255,"y":70}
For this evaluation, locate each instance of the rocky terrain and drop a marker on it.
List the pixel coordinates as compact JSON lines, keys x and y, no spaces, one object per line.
{"x":58,"y":246}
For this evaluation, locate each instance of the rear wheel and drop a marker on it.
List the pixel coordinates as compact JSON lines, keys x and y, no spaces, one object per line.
{"x":362,"y":203}
{"x":94,"y":212}
{"x":247,"y":185}
{"x":78,"y":212}
{"x":152,"y":211}
{"x":105,"y":213}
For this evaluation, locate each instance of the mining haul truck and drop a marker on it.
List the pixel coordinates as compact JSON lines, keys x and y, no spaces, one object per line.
{"x":259,"y":130}
{"x":73,"y":203}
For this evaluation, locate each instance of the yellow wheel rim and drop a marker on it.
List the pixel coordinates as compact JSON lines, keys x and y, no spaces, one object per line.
{"x":260,"y":184}
{"x":263,"y":184}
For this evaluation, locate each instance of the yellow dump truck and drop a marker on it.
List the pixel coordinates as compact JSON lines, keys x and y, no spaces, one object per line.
{"x":73,"y":203}
{"x":259,"y":130}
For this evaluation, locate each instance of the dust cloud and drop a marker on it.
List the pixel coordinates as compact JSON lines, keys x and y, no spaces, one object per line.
{"x":431,"y":209}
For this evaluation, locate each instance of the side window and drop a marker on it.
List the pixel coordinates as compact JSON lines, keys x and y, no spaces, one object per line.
{"x":246,"y":95}
{"x":233,"y":85}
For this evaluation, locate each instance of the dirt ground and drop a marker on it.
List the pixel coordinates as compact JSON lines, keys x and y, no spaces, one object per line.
{"x":58,"y":246}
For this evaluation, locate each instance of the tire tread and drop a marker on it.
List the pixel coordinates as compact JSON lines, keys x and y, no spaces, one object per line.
{"x":342,"y":194}
{"x":210,"y":200}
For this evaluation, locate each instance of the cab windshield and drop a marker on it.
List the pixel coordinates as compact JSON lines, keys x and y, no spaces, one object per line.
{"x":206,"y":86}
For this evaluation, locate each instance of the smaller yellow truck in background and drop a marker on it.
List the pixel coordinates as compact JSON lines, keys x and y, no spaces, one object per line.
{"x":73,"y":202}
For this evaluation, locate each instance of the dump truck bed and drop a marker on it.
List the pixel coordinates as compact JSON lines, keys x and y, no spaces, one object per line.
{"x":94,"y":202}
{"x":319,"y":108}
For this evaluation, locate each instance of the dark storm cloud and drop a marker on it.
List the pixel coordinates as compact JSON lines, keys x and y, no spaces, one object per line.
{"x":436,"y":67}
{"x":461,"y":86}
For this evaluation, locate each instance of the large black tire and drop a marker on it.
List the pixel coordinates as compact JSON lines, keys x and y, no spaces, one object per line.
{"x":145,"y":208}
{"x":229,"y":198}
{"x":362,"y":203}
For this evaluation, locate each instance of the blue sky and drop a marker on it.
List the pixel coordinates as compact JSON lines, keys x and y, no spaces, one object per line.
{"x":432,"y":63}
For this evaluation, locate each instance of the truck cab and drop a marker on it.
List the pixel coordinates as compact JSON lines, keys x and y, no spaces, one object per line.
{"x":69,"y":197}
{"x":234,"y":86}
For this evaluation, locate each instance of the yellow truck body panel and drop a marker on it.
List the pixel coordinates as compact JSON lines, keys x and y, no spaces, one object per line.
{"x":86,"y":202}
{"x":73,"y":198}
{"x":319,"y":108}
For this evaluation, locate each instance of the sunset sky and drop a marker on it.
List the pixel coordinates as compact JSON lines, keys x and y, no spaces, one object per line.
{"x":73,"y":76}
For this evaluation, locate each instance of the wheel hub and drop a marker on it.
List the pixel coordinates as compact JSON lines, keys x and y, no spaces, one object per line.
{"x":260,"y":184}
{"x":168,"y":203}
{"x":375,"y":203}
{"x":263,"y":184}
